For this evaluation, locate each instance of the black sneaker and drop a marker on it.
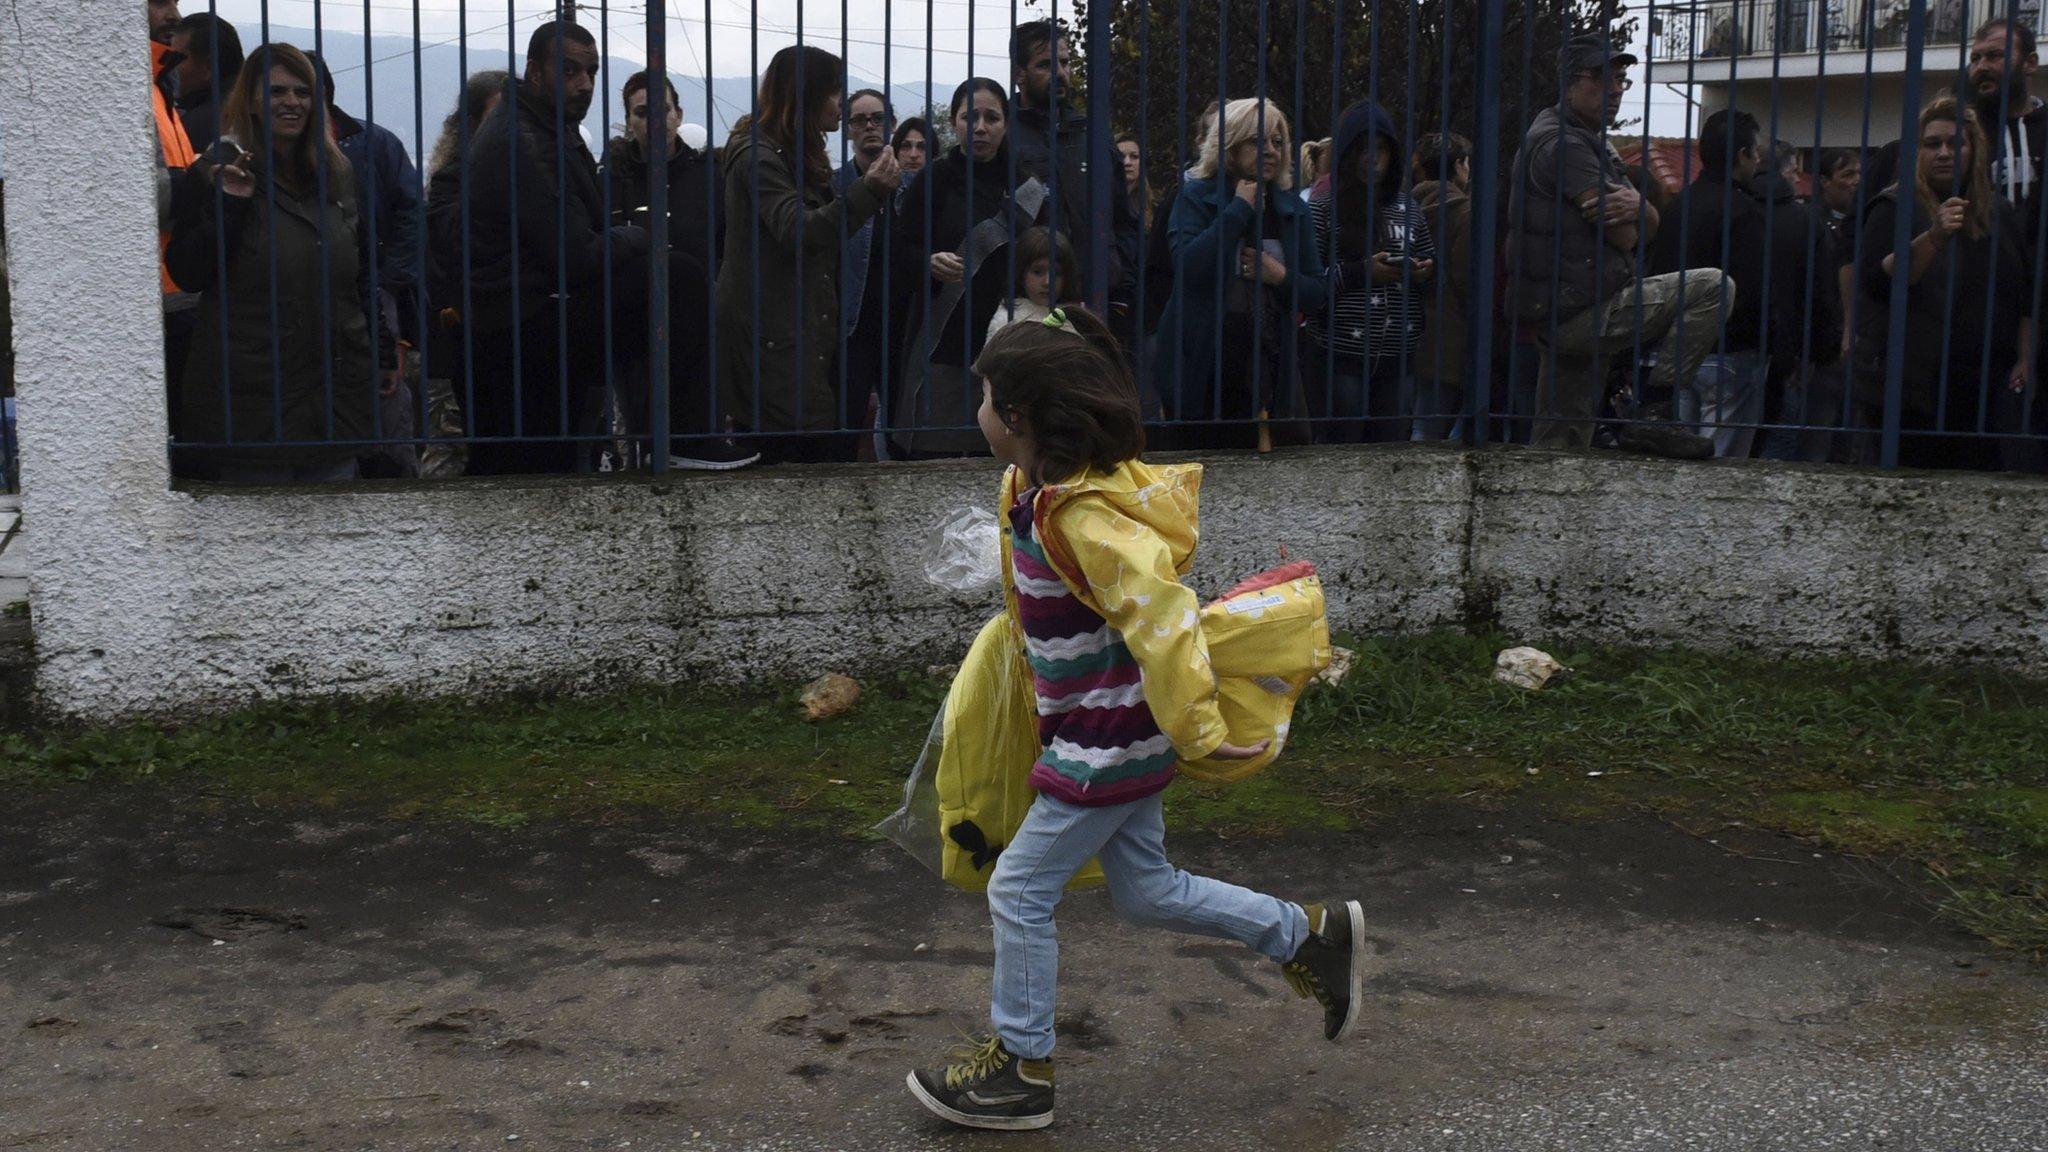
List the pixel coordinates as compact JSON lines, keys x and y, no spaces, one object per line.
{"x":1326,"y":965}
{"x":987,"y":1088}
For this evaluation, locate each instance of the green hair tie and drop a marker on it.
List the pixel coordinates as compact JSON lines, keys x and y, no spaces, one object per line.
{"x":1057,"y":319}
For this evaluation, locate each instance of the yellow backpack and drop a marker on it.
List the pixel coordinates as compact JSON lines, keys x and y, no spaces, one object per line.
{"x":1268,"y":637}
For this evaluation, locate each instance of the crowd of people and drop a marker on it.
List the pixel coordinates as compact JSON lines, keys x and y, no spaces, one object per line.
{"x":322,"y":296}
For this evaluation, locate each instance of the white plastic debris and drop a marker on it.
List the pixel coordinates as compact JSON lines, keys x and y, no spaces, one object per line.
{"x":1530,"y":668}
{"x":1340,"y":667}
{"x":964,"y":552}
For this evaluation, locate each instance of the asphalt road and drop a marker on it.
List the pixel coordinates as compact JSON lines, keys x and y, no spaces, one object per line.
{"x":1536,"y":985}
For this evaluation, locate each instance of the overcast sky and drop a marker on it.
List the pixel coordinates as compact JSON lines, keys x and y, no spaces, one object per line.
{"x":735,"y":27}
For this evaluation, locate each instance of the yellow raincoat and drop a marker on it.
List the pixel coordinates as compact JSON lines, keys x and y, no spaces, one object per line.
{"x":1229,"y":671}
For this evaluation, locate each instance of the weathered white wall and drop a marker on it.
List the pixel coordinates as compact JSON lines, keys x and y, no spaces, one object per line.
{"x":575,"y":584}
{"x":153,"y":600}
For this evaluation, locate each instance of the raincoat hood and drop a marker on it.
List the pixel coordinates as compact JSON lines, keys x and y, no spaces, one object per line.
{"x":1163,"y":498}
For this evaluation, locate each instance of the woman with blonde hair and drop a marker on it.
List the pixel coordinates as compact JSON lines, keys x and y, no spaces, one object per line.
{"x":1967,"y":275}
{"x":1245,"y":266}
{"x":284,"y":363}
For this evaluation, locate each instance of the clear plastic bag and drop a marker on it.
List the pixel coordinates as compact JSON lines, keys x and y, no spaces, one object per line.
{"x":971,"y":786}
{"x":964,"y":551}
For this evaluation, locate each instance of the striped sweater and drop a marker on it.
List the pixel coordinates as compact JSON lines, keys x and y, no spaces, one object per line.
{"x":1101,"y":743}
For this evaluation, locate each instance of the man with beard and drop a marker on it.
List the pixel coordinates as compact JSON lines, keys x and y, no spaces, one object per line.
{"x":2001,"y":74}
{"x":548,"y":276}
{"x":2002,"y":66}
{"x":1050,"y":141}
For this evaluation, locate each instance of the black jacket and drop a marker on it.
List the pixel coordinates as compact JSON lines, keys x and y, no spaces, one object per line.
{"x":696,"y":191}
{"x":199,"y":112}
{"x":1718,"y":223}
{"x":558,"y":238}
{"x":1797,"y":247}
{"x":1986,"y":304}
{"x":2016,"y":161}
{"x":952,"y":217}
{"x":1031,"y":137}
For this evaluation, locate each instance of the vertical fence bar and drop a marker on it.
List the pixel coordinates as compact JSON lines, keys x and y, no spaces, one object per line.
{"x":1101,"y":222}
{"x":561,"y":297}
{"x":611,"y":402}
{"x":1491,"y":22}
{"x":269,"y":150}
{"x":714,"y":196}
{"x":1329,"y":249}
{"x":321,"y":120}
{"x":1256,"y":288}
{"x":2032,"y":397}
{"x":1223,"y":192}
{"x":462,"y":145}
{"x":369,"y":216}
{"x":885,"y":227}
{"x":1902,"y":235}
{"x":421,"y":330}
{"x":512,"y":217}
{"x":657,"y":234}
{"x":220,"y":255}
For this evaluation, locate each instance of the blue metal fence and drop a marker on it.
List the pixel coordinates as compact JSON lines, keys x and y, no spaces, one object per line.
{"x":760,"y":296}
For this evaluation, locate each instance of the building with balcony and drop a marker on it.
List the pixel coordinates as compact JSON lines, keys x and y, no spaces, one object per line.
{"x":1829,"y":66}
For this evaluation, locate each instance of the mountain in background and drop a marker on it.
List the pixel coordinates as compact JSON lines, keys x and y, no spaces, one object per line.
{"x":440,"y":85}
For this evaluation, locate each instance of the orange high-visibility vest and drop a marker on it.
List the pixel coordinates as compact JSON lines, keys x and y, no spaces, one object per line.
{"x":171,"y":138}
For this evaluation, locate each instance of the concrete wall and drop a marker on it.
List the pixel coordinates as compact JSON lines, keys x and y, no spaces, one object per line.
{"x":148,"y":599}
{"x":481,"y":586}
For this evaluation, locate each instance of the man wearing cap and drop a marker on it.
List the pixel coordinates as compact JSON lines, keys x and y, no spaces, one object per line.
{"x":1575,"y":226}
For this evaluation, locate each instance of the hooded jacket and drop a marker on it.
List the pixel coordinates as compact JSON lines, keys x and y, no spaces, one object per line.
{"x":696,"y":190}
{"x":1371,"y":320}
{"x":1117,"y":543}
{"x":2018,"y":145}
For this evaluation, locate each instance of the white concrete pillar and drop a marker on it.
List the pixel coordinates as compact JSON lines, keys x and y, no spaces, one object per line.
{"x":88,"y":330}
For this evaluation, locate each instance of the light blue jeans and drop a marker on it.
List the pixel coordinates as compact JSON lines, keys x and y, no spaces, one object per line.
{"x":1056,"y":840}
{"x":1728,"y":390}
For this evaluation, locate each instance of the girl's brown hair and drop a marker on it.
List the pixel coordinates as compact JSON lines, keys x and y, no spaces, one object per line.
{"x":1976,"y":176}
{"x":1069,"y":385}
{"x":248,"y":107}
{"x":1042,"y":243}
{"x":797,"y":82}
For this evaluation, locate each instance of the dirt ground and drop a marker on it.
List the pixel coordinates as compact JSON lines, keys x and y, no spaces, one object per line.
{"x":174,"y":979}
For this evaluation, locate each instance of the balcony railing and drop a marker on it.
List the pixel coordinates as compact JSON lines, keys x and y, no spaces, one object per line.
{"x":1802,"y":27}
